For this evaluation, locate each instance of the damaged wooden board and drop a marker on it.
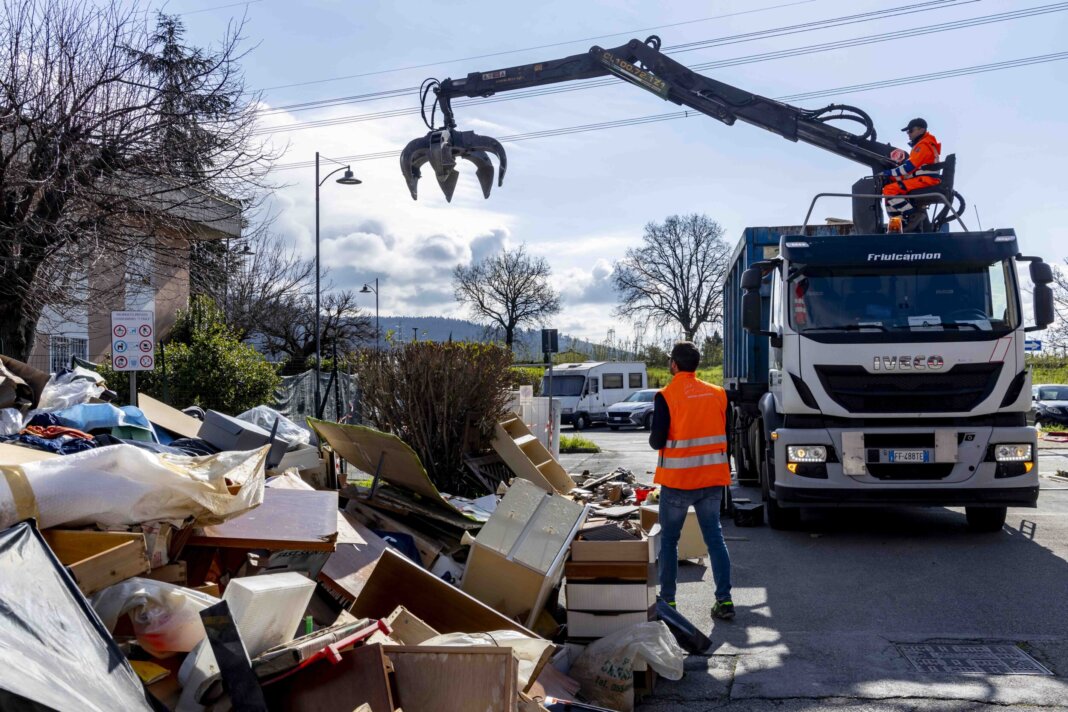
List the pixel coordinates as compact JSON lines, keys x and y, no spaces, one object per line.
{"x":474,"y":678}
{"x":360,"y":678}
{"x":97,"y":560}
{"x":287,"y":520}
{"x":358,"y":548}
{"x":373,"y":452}
{"x":397,"y":581}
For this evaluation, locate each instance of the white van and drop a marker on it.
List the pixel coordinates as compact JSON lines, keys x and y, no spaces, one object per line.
{"x":585,"y":390}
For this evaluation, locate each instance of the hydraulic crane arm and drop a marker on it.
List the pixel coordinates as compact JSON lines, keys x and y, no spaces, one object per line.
{"x":641,"y":64}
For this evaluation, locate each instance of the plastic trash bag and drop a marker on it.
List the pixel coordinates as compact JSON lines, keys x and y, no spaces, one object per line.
{"x":165,"y":617}
{"x":605,"y":669}
{"x":528,"y":650}
{"x":10,"y":421}
{"x":67,"y":391}
{"x":122,"y":485}
{"x":265,"y":416}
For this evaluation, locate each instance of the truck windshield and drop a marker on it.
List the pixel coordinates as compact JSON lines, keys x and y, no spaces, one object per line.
{"x":972,"y":298}
{"x":563,"y":385}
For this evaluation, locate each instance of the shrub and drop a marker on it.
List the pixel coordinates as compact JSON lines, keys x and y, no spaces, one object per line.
{"x":442,"y":399}
{"x":527,"y":376}
{"x":204,"y":364}
{"x":577,"y":443}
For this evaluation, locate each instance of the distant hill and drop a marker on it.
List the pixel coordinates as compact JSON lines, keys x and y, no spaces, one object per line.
{"x":438,"y":328}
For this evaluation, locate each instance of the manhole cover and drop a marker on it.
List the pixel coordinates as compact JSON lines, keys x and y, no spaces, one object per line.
{"x":971,"y":659}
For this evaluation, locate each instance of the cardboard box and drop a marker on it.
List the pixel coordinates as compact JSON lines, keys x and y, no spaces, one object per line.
{"x":228,"y":433}
{"x":610,"y":596}
{"x":691,"y":542}
{"x":588,"y":624}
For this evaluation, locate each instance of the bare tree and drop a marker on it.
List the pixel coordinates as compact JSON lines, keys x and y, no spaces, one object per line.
{"x":117,"y":146}
{"x":1056,"y":336}
{"x":508,"y":289}
{"x":288,"y":327}
{"x":676,"y":276}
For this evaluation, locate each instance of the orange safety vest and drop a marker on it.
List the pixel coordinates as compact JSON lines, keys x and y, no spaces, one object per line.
{"x":913,"y":174}
{"x":695,"y":455}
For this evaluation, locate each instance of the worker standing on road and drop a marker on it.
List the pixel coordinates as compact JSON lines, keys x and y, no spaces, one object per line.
{"x":912,"y":174}
{"x":690,"y":431}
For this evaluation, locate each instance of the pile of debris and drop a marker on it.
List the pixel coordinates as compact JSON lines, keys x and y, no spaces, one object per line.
{"x":252,"y":563}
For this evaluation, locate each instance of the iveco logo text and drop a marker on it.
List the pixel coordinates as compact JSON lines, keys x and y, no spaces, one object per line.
{"x":903,"y":256}
{"x":906,"y":363}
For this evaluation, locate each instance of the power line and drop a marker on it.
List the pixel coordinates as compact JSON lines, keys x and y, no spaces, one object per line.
{"x":703,"y":44}
{"x":653,"y":118}
{"x":218,"y":7}
{"x":536,"y":47}
{"x":715,"y":64}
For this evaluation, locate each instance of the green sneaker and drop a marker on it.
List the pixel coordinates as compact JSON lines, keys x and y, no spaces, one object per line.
{"x":724,"y":610}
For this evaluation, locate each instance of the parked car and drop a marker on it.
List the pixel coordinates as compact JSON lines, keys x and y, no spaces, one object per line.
{"x":1050,"y":404}
{"x":635,"y":409}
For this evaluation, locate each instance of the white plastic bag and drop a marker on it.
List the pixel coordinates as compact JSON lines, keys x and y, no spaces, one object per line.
{"x":606,"y":667}
{"x":165,"y":617}
{"x":10,"y":421}
{"x":528,"y":650}
{"x":265,"y":416}
{"x":68,"y":391}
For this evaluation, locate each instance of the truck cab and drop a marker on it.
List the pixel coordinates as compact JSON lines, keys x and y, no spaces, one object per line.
{"x":872,"y":370}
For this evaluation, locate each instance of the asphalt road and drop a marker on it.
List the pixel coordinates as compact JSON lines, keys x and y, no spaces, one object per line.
{"x":820,"y":610}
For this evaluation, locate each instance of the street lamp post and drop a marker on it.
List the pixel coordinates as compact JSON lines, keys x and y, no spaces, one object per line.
{"x":347,"y":179}
{"x":367,"y":289}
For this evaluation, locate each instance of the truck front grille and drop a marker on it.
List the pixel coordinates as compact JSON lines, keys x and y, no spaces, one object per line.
{"x":959,"y":389}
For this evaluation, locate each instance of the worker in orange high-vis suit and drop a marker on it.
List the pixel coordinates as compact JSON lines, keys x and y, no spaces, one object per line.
{"x":689,"y":429}
{"x":912,"y":174}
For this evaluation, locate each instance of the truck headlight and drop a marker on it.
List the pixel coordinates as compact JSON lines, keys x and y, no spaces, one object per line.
{"x":806,"y":453}
{"x":1012,"y":452}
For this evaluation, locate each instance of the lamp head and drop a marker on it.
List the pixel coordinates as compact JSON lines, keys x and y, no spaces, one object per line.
{"x":366,"y":289}
{"x":349,"y":178}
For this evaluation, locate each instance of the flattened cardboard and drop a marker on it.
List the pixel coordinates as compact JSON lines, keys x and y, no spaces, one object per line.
{"x":366,"y":447}
{"x":170,"y":419}
{"x":691,"y":541}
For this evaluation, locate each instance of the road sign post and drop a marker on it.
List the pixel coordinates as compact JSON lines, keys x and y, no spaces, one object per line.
{"x":549,"y":346}
{"x":133,"y":344}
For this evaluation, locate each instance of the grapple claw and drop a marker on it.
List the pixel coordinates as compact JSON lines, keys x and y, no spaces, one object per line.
{"x":441,"y":148}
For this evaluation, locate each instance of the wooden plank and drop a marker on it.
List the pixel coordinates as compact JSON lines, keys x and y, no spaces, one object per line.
{"x":168,"y":418}
{"x":360,"y":678}
{"x":357,"y":550}
{"x":396,"y":581}
{"x":429,"y":678}
{"x":408,"y":629}
{"x":99,"y":559}
{"x":287,"y":520}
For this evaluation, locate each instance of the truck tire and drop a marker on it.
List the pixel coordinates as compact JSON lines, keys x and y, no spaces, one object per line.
{"x":748,"y":476}
{"x":985,"y":519}
{"x":581,"y":421}
{"x":781,"y":518}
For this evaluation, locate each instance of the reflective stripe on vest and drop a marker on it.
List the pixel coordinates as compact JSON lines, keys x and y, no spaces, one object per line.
{"x":677,"y":463}
{"x":697,"y":442}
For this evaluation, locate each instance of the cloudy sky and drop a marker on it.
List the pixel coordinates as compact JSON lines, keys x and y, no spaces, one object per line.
{"x":581,"y":200}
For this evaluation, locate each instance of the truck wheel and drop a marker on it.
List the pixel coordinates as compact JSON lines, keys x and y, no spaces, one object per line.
{"x":747,"y":473}
{"x":781,"y":518}
{"x":580,"y":422}
{"x":985,"y":519}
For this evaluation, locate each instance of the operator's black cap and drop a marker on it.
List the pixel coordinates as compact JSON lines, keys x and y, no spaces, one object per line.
{"x":914,"y":123}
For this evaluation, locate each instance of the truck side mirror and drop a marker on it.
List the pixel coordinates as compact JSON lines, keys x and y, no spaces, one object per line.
{"x":1043,"y":300}
{"x":1041,"y":273}
{"x":751,"y":278}
{"x":751,"y":311}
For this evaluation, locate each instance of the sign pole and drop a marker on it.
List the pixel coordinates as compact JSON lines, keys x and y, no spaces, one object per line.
{"x":133,"y":388}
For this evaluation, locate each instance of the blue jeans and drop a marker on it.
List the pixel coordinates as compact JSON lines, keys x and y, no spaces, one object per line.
{"x":674,"y":504}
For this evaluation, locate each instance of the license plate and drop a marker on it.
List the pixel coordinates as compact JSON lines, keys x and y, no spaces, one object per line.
{"x":906,"y":455}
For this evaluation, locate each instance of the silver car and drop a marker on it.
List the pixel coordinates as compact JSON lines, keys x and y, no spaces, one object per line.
{"x":636,"y":409}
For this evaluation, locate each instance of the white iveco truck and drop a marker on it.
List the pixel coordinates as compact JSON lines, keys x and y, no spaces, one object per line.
{"x":882,"y":369}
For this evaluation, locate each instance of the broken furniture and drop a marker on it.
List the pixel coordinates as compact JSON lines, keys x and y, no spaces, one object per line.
{"x":691,"y":542}
{"x":517,"y":558}
{"x":97,"y":560}
{"x":610,"y":585}
{"x":528,"y":457}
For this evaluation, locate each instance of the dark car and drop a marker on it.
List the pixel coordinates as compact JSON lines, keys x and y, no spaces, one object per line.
{"x":1050,"y":406}
{"x":636,"y":409}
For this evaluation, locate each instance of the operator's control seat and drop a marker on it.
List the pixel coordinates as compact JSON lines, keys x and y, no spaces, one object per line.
{"x":948,"y":168}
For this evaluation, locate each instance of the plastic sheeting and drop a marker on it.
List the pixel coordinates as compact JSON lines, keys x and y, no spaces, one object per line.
{"x":266,"y":417}
{"x":54,"y":651}
{"x":165,"y":616}
{"x":121,"y":485}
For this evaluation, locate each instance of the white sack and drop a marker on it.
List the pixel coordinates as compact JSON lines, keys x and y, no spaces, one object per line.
{"x":123,"y":485}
